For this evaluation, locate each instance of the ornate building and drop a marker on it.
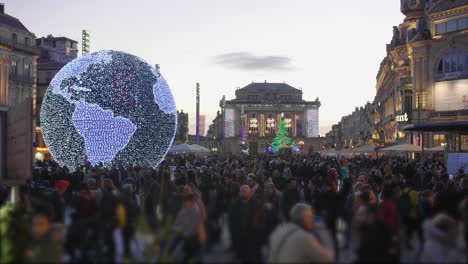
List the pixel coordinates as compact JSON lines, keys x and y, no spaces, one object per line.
{"x":251,"y":119}
{"x":422,"y":83}
{"x":18,"y":55}
{"x":423,"y":79}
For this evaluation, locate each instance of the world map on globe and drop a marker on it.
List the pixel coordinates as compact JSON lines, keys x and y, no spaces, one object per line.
{"x":108,"y":106}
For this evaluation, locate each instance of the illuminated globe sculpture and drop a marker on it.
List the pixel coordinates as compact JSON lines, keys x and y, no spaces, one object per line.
{"x":108,"y":106}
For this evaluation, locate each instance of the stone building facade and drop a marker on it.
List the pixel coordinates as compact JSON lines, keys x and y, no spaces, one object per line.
{"x":56,"y":52}
{"x":18,"y":55}
{"x":251,"y":120}
{"x":353,"y":129}
{"x":422,"y":83}
{"x":181,"y":136}
{"x":424,"y":78}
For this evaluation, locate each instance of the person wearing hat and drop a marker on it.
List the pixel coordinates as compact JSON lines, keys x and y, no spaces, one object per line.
{"x":57,"y":197}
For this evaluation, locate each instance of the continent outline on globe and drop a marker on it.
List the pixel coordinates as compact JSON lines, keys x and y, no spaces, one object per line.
{"x":120,"y":87}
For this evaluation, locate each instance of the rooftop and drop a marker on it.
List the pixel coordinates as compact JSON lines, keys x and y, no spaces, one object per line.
{"x":444,"y":5}
{"x":50,"y":37}
{"x":266,"y":86}
{"x":11,"y":21}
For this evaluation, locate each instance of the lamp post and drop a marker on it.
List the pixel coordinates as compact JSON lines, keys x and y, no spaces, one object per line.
{"x":301,"y":144}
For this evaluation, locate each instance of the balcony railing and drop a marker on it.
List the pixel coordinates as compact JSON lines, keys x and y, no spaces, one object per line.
{"x":19,"y":46}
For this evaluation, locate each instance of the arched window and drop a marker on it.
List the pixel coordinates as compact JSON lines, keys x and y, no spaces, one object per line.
{"x":253,"y":125}
{"x":453,"y":65}
{"x":270,"y":125}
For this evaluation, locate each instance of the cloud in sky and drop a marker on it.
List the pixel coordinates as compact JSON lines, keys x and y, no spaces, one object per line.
{"x":248,"y":61}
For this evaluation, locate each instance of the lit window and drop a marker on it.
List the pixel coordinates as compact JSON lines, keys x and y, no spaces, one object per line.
{"x":452,"y":26}
{"x":438,"y":139}
{"x":14,"y":69}
{"x":270,"y":125}
{"x":453,"y":65}
{"x":253,"y":124}
{"x":27,"y":70}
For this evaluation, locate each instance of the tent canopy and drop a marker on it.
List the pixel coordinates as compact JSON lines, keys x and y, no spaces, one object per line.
{"x":364,"y":149}
{"x":188,"y":148}
{"x":436,"y":149}
{"x":402,"y":148}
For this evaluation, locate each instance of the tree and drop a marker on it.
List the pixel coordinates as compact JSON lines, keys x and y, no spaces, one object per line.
{"x":282,"y":140}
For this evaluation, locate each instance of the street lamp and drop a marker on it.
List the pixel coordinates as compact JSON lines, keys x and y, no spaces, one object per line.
{"x":301,"y":143}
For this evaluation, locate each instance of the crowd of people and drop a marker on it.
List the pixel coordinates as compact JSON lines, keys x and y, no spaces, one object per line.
{"x":277,"y":209}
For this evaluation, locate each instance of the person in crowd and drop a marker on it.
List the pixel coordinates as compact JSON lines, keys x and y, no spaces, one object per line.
{"x":426,"y":205}
{"x":295,"y":242}
{"x":58,"y":200}
{"x":104,"y":212}
{"x":289,"y":197}
{"x":371,"y":229}
{"x":109,"y":186}
{"x":440,"y":245}
{"x":344,"y":169}
{"x":408,"y":211}
{"x":189,"y":225}
{"x":44,"y":246}
{"x":241,"y":226}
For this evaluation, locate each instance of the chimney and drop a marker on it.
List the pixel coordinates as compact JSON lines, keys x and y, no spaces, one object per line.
{"x":2,"y":8}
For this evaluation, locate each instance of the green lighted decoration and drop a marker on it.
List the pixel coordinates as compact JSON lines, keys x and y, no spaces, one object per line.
{"x":282,"y":140}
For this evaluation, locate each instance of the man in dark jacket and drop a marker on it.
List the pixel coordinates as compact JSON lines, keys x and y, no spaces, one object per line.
{"x":241,"y":226}
{"x":290,"y":197}
{"x":58,"y":200}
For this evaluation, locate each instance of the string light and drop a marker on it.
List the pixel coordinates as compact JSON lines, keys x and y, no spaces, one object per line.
{"x":108,"y":106}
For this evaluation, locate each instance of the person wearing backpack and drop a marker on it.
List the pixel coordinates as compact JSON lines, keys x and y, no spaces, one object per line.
{"x":408,"y":210}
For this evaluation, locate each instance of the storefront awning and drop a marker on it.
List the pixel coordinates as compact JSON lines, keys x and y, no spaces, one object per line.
{"x":441,"y":126}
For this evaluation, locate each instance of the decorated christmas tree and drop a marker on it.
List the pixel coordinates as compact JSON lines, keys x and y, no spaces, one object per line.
{"x":282,"y":140}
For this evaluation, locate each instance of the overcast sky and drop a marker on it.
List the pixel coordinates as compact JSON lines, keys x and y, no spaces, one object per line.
{"x":332,"y":49}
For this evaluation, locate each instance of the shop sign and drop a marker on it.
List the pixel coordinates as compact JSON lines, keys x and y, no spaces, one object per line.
{"x":402,"y":118}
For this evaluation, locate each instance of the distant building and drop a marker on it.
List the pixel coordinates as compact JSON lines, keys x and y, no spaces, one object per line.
{"x":18,"y":55}
{"x":253,"y":117}
{"x":215,"y":133}
{"x":201,"y":127}
{"x":182,"y":128}
{"x":56,"y":52}
{"x":354,"y":129}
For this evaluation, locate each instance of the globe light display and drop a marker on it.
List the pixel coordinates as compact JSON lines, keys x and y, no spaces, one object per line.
{"x":108,"y":106}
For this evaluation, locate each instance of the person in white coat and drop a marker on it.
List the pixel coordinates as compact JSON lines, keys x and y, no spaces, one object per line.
{"x":300,"y":241}
{"x":440,"y":245}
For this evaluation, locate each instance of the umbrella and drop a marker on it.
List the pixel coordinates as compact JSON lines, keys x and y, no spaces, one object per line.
{"x":402,"y":148}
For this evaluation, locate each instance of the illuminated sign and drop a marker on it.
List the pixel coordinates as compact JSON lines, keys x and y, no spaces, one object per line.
{"x":402,"y":118}
{"x":451,"y":95}
{"x":42,"y":149}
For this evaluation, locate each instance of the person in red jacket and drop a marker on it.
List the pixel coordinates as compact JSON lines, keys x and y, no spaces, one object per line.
{"x":388,"y":213}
